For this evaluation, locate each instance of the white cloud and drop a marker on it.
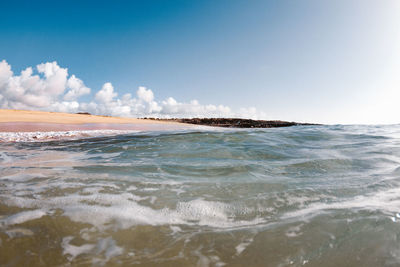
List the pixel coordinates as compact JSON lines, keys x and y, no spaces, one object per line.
{"x":77,"y":88}
{"x":5,"y":73}
{"x":55,"y":78}
{"x":144,"y":94}
{"x":171,"y":107}
{"x":53,"y":89}
{"x":30,"y":91}
{"x":106,"y":94}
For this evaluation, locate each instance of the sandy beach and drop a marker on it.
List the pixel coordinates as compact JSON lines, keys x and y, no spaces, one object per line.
{"x":32,"y":121}
{"x":12,"y":115}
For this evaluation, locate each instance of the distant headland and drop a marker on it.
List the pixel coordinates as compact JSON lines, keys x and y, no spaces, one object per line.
{"x":235,"y":122}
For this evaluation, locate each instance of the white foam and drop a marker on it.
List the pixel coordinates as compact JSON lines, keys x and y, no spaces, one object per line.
{"x":196,"y":212}
{"x":109,"y":247}
{"x":73,"y":251}
{"x":385,"y":201}
{"x":123,"y":210}
{"x":242,"y":246}
{"x":206,"y":261}
{"x":57,"y":135}
{"x":22,"y":217}
{"x":205,"y":212}
{"x":17,"y":232}
{"x":84,"y":198}
{"x":106,"y":246}
{"x":175,"y":229}
{"x":294,"y":231}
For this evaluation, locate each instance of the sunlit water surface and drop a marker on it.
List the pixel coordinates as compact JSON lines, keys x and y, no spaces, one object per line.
{"x":298,"y":196}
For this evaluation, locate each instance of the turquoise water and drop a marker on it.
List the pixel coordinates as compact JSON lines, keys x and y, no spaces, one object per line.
{"x":297,"y":196}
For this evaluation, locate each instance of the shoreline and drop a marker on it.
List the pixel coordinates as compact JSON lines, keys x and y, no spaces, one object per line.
{"x":13,"y":115}
{"x":42,"y":121}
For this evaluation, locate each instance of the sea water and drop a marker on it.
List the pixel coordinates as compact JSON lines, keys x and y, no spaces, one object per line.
{"x":297,"y":196}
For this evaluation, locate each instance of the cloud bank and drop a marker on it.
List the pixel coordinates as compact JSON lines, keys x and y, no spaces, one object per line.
{"x":49,"y":87}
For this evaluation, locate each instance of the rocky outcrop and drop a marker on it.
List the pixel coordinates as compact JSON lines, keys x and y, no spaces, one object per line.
{"x":236,"y":123}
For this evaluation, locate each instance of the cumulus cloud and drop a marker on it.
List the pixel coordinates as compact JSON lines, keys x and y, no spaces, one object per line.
{"x":49,"y":87}
{"x":106,"y":94}
{"x":43,"y":90}
{"x":77,"y":89}
{"x":145,"y":94}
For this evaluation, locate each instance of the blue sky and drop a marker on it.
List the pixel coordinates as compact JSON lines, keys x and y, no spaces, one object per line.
{"x":312,"y":60}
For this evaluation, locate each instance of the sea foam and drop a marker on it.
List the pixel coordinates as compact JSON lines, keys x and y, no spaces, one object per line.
{"x":58,"y":135}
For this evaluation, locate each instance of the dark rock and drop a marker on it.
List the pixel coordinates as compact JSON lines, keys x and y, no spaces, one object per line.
{"x":237,"y":123}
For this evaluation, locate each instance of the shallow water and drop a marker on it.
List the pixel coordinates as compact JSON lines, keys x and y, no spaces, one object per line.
{"x":298,"y":196}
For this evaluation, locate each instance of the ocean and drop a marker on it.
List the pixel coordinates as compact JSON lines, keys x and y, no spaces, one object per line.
{"x":295,"y":196}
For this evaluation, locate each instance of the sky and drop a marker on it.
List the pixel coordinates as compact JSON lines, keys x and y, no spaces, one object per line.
{"x":335,"y":62}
